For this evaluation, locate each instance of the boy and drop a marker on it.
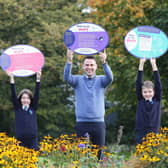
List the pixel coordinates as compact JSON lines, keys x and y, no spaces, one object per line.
{"x":149,"y":95}
{"x":89,"y":93}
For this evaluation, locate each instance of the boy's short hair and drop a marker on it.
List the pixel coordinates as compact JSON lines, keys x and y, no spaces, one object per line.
{"x":148,"y":84}
{"x":89,"y":57}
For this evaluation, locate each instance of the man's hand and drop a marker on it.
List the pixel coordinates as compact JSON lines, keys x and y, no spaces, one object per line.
{"x":69,"y":56}
{"x":103,"y":56}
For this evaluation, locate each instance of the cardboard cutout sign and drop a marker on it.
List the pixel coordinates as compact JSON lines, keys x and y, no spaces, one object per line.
{"x":22,"y":60}
{"x":146,"y":42}
{"x":86,"y":38}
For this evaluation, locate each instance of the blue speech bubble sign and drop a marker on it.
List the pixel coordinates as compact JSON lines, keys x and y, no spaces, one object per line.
{"x":146,"y":42}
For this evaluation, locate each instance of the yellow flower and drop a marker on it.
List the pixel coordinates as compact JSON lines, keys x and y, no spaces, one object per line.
{"x":154,"y":148}
{"x":144,"y":157}
{"x":154,"y":159}
{"x":13,"y":155}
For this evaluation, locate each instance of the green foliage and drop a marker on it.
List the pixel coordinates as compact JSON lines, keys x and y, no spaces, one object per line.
{"x":39,"y":23}
{"x":119,"y":17}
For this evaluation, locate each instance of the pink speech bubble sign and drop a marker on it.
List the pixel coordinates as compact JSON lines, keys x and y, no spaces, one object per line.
{"x":22,"y":60}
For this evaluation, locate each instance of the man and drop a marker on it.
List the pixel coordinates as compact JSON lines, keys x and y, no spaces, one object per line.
{"x":89,"y":94}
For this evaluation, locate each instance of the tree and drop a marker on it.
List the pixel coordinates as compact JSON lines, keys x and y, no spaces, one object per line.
{"x":119,"y":17}
{"x":41,"y":24}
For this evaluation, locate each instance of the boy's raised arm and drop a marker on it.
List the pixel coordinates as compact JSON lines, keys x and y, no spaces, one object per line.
{"x":141,"y":64}
{"x":157,"y":82}
{"x":153,"y":64}
{"x":139,"y":80}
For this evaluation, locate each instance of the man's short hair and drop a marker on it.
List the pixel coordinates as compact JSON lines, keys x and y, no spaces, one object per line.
{"x":89,"y":57}
{"x":148,"y":84}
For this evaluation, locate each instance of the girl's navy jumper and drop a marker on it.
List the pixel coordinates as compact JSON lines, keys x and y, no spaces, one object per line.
{"x":25,"y":121}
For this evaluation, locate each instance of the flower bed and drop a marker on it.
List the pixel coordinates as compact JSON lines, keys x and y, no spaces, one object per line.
{"x":68,"y":151}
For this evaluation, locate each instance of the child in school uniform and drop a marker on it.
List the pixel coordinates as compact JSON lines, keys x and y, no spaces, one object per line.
{"x":25,"y":107}
{"x":149,"y":94}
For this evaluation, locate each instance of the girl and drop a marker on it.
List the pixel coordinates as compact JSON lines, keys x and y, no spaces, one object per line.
{"x":25,"y":106}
